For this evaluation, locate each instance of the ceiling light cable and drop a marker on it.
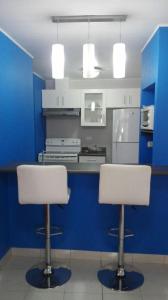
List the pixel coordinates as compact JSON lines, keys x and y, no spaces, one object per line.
{"x":57,"y":30}
{"x":58,"y":58}
{"x":120,"y":31}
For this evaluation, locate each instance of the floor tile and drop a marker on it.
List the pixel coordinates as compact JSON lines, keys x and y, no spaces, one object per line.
{"x":122,"y":296}
{"x":82,"y":296}
{"x":6,"y":295}
{"x":22,"y":263}
{"x":44,"y":295}
{"x":155,"y":297}
{"x":13,"y":280}
{"x":84,"y":278}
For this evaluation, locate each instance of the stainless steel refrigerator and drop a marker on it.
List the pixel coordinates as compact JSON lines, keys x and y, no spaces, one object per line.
{"x":125,"y":136}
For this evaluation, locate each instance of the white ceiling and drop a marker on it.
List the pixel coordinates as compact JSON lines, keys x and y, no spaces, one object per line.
{"x":29,"y":23}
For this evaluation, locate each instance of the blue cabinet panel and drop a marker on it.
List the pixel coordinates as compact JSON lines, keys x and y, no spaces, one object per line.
{"x":155,"y":91}
{"x":160,"y":146}
{"x":38,"y":86}
{"x":150,"y":62}
{"x":16,"y":104}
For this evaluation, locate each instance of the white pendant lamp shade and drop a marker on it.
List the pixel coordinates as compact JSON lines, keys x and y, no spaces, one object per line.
{"x":58,"y":61}
{"x":89,"y":61}
{"x":119,"y":60}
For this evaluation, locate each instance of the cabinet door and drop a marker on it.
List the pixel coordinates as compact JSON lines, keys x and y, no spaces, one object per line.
{"x":50,"y":99}
{"x":71,"y":99}
{"x":93,"y":111}
{"x":67,"y":99}
{"x":131,"y":98}
{"x":120,"y":98}
{"x":114,"y":98}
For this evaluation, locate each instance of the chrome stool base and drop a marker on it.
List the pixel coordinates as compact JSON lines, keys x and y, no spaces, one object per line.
{"x":130,"y":281}
{"x":38,"y":279}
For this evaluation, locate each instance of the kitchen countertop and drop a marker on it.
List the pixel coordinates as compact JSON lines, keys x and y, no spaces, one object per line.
{"x":80,"y":168}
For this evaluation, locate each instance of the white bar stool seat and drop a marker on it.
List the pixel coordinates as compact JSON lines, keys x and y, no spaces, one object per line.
{"x":44,"y":185}
{"x":123,"y":185}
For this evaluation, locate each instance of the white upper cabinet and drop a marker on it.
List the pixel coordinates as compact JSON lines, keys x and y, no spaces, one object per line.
{"x":61,"y":99}
{"x":118,"y":98}
{"x":93,"y":110}
{"x":103,"y":98}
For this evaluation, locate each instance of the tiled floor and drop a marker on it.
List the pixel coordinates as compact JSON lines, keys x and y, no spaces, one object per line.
{"x":82,"y":285}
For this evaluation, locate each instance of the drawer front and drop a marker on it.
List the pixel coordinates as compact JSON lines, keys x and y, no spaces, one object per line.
{"x":94,"y":159}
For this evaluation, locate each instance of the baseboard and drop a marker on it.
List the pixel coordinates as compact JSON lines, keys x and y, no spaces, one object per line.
{"x":105,"y":257}
{"x":5,"y":258}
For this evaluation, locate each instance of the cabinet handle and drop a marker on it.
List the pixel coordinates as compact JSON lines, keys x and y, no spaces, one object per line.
{"x":124,"y":100}
{"x":62,"y":100}
{"x":130,"y":100}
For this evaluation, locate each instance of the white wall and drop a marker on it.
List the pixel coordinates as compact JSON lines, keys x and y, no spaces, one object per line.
{"x":98,"y":83}
{"x":105,"y":83}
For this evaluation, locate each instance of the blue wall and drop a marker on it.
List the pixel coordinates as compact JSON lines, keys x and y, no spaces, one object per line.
{"x":17,"y":127}
{"x":4,"y":215}
{"x":85,"y":222}
{"x":38,"y":86}
{"x":17,"y":107}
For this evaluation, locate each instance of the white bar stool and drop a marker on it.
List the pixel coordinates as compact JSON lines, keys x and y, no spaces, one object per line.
{"x":44,"y":185}
{"x":123,"y":185}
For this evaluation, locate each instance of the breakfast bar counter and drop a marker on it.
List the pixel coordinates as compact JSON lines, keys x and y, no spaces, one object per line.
{"x":80,"y":168}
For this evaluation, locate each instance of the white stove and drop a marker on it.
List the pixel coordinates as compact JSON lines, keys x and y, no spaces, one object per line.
{"x":60,"y":150}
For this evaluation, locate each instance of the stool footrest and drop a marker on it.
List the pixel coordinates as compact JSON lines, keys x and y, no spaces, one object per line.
{"x":115,"y":232}
{"x":54,"y":231}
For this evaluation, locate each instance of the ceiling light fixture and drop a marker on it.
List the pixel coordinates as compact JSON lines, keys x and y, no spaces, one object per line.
{"x":58,"y":59}
{"x":119,"y":59}
{"x":90,"y":68}
{"x":89,"y":60}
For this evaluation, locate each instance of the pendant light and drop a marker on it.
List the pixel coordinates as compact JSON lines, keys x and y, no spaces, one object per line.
{"x":119,"y":59}
{"x":58,"y":60}
{"x":89,"y":60}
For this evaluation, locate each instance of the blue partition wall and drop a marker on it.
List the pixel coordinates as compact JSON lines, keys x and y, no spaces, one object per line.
{"x":17,"y":107}
{"x":16,"y":122}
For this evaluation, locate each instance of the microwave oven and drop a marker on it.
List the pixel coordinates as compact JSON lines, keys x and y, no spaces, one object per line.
{"x":147,"y":117}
